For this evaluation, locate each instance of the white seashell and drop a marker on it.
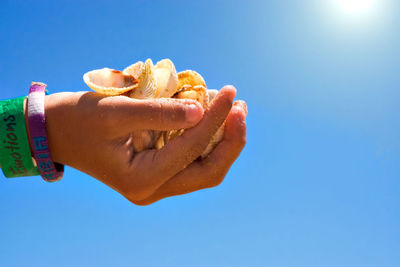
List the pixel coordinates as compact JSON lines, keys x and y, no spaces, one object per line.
{"x":166,"y":77}
{"x":147,"y":83}
{"x":134,"y":69}
{"x":110,"y":82}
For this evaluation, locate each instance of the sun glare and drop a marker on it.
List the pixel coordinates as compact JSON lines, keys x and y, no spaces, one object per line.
{"x":357,"y":6}
{"x":353,"y":14}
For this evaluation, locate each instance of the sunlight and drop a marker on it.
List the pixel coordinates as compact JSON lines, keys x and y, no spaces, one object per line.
{"x":368,"y":14}
{"x":357,"y":6}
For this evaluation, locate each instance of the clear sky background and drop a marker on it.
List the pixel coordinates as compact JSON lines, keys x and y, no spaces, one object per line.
{"x":318,"y":183}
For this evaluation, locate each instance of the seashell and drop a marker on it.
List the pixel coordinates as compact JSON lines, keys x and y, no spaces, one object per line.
{"x":145,"y":139}
{"x":190,"y":77}
{"x":134,"y":69}
{"x":166,"y":77}
{"x":110,"y":82}
{"x":147,"y":83}
{"x":160,"y":142}
{"x":143,"y":80}
{"x":169,"y":135}
{"x":198,"y":93}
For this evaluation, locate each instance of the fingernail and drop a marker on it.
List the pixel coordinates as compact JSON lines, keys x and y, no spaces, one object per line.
{"x":193,"y":113}
{"x":242,"y":105}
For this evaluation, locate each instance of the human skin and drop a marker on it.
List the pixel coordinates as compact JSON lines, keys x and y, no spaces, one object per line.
{"x":93,"y":133}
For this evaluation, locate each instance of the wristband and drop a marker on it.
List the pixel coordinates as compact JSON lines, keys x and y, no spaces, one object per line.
{"x":15,"y":154}
{"x":49,"y":170}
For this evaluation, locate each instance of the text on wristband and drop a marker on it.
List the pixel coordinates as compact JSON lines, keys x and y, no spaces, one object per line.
{"x":11,"y":144}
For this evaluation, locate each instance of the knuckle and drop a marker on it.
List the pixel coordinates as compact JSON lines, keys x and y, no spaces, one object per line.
{"x":159,"y":110}
{"x":242,"y":141}
{"x":142,"y":203}
{"x":107,"y":114}
{"x":216,"y":180}
{"x":134,"y":190}
{"x":138,"y":193}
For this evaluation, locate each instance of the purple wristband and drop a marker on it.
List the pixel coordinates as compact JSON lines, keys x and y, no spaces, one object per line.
{"x":49,"y":170}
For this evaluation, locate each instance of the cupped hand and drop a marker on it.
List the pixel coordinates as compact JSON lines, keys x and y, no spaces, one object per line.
{"x":94,"y":134}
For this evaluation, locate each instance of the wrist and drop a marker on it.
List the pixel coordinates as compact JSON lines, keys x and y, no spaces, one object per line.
{"x":61,"y":126}
{"x":54,"y":112}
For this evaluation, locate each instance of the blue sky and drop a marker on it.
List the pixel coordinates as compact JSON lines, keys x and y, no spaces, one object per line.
{"x":318,"y":182}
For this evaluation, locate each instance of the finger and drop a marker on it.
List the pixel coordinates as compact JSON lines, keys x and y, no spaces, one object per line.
{"x":210,"y":171}
{"x":128,"y":115}
{"x":161,"y":165}
{"x":183,"y":150}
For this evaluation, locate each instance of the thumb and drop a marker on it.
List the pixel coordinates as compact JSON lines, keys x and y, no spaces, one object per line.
{"x":161,"y":114}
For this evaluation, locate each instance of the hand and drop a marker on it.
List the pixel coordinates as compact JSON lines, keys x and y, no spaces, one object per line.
{"x":93,"y":134}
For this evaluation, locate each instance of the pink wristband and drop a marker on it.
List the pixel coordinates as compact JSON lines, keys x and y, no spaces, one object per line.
{"x":49,"y":170}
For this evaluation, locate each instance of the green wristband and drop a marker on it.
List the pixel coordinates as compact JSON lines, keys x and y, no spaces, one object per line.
{"x":15,"y":153}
